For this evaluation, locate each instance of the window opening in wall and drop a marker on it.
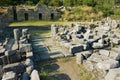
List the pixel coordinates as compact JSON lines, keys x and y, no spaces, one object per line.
{"x":52,"y":16}
{"x":26,"y":16}
{"x":40,"y":16}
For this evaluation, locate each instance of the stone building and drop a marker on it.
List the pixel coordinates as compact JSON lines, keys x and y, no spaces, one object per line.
{"x":39,"y":12}
{"x":3,"y":17}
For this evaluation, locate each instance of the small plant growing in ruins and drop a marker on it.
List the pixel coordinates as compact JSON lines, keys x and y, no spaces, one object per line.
{"x":65,"y":59}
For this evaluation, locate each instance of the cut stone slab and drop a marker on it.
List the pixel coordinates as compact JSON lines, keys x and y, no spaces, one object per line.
{"x":95,"y":57}
{"x":114,"y":55}
{"x":104,"y":52}
{"x":87,"y":54}
{"x":29,"y":55}
{"x":75,"y":49}
{"x":29,"y":69}
{"x":16,"y":67}
{"x":113,"y":74}
{"x":9,"y":76}
{"x":97,"y":45}
{"x":1,"y":71}
{"x":79,"y":58}
{"x":116,"y":41}
{"x":107,"y":64}
{"x":10,"y":52}
{"x":29,"y":62}
{"x":34,"y":75}
{"x":16,"y":34}
{"x":2,"y":50}
{"x":15,"y":47}
{"x":15,"y":58}
{"x":25,"y":48}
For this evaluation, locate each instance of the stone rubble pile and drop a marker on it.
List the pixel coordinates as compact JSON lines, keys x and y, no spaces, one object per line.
{"x":96,"y":47}
{"x":16,"y":58}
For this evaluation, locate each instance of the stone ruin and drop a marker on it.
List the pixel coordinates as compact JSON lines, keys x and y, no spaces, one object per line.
{"x":97,"y":47}
{"x":23,"y":13}
{"x":16,"y":58}
{"x":38,"y":12}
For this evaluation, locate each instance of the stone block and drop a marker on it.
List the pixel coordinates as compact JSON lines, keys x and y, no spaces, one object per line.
{"x":97,"y":45}
{"x":1,"y":71}
{"x":15,"y":58}
{"x":16,"y":34}
{"x":87,"y":54}
{"x":29,"y":55}
{"x":2,"y":51}
{"x":104,"y":52}
{"x":113,"y":74}
{"x":95,"y":57}
{"x":116,"y":41}
{"x":24,"y":32}
{"x":34,"y":75}
{"x":79,"y":58}
{"x":10,"y":52}
{"x":114,"y":55}
{"x":9,"y":76}
{"x":18,"y":68}
{"x":107,"y":64}
{"x":29,"y":62}
{"x":29,"y":69}
{"x":15,"y":46}
{"x":25,"y":48}
{"x":23,"y":41}
{"x":75,"y":49}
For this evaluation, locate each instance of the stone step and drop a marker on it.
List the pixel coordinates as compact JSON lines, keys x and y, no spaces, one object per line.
{"x":48,"y":56}
{"x":37,"y":40}
{"x":41,"y":51}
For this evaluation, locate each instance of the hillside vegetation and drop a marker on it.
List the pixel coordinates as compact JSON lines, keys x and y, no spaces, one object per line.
{"x":80,"y":9}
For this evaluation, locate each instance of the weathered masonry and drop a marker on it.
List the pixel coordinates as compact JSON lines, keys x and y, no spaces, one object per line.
{"x":39,"y":12}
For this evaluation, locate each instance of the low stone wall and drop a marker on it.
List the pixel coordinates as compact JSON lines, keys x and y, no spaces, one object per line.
{"x":17,"y":58}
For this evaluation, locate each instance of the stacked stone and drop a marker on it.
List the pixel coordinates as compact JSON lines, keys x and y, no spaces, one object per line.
{"x":10,"y":58}
{"x":103,"y":61}
{"x":54,"y":30}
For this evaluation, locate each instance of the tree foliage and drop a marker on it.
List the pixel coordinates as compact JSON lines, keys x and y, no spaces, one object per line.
{"x":106,"y":6}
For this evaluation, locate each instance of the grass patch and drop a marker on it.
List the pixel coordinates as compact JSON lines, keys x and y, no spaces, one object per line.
{"x":46,"y":70}
{"x":37,"y":23}
{"x":40,"y":33}
{"x":42,"y":23}
{"x":84,"y":74}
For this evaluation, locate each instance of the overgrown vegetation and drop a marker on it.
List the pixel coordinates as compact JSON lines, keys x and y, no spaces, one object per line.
{"x":97,"y":8}
{"x":39,"y":23}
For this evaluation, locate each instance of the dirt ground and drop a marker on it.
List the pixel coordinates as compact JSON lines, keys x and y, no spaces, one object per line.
{"x":63,"y":69}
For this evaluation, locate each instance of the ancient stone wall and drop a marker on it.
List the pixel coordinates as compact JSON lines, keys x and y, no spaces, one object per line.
{"x":37,"y":13}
